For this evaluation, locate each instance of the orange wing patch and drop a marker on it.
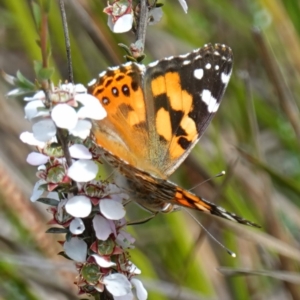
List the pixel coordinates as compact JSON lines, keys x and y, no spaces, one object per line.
{"x":124,"y":129}
{"x":179,"y":100}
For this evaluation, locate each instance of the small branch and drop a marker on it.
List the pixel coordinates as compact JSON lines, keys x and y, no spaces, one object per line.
{"x":142,"y":24}
{"x":62,"y":139}
{"x":67,"y":40}
{"x":43,"y":36}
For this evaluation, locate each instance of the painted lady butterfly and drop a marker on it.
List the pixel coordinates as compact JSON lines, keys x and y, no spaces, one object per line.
{"x":156,"y":115}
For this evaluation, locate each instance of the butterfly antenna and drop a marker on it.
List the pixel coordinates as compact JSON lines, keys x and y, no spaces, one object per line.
{"x":222,"y":173}
{"x":210,"y":235}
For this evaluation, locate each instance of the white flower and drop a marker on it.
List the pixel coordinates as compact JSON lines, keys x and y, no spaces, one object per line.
{"x":44,"y":130}
{"x":102,"y":228}
{"x":79,"y":151}
{"x":102,"y":262}
{"x":117,"y":284}
{"x":155,"y":15}
{"x":37,"y":192}
{"x":32,"y":109}
{"x":77,"y":226}
{"x":125,"y":240}
{"x":83,"y":170}
{"x":122,"y":24}
{"x":82,"y":129}
{"x":36,"y":159}
{"x":141,"y":292}
{"x":76,"y":249}
{"x":79,"y":206}
{"x":28,"y":138}
{"x":120,"y":16}
{"x":91,"y":108}
{"x":63,"y":114}
{"x":112,"y":209}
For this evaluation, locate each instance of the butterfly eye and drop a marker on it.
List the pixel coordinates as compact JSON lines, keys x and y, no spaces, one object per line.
{"x":115,"y":91}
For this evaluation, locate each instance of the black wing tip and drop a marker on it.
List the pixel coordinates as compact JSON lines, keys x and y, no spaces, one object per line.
{"x":221,"y":212}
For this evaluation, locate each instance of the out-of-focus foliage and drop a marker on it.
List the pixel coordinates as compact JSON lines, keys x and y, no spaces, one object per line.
{"x":254,"y":136}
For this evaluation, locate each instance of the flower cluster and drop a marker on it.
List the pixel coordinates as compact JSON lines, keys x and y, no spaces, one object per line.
{"x":89,"y":211}
{"x":121,"y":15}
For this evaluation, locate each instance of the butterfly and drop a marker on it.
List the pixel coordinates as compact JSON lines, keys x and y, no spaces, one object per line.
{"x":155,"y":116}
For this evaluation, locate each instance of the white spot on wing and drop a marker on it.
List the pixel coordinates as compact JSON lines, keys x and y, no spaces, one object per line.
{"x":208,"y":66}
{"x":153,"y":64}
{"x":169,"y":58}
{"x":186,"y":62}
{"x":198,"y":73}
{"x":225,"y":78}
{"x":113,"y":68}
{"x":102,"y":73}
{"x":127,"y":64}
{"x":211,"y":102}
{"x":92,"y":82}
{"x":217,"y":67}
{"x":198,"y":57}
{"x":184,"y":55}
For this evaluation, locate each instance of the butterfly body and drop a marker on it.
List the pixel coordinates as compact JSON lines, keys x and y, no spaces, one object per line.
{"x":155,"y":116}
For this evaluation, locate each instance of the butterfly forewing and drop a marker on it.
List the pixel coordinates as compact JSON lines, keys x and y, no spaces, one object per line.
{"x":182,"y":95}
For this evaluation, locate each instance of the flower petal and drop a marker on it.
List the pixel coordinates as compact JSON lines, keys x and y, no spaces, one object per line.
{"x":155,"y":15}
{"x":123,"y":24}
{"x":102,"y":228}
{"x":91,"y":108}
{"x":133,"y":269}
{"x":77,"y":226}
{"x":31,"y":109}
{"x":111,"y":209}
{"x":37,"y":192}
{"x":141,"y":292}
{"x":125,"y":297}
{"x":64,"y":116}
{"x":79,"y":151}
{"x":117,"y":284}
{"x":102,"y":262}
{"x":125,"y":240}
{"x":28,"y":138}
{"x":76,"y":249}
{"x":44,"y":130}
{"x":80,"y":88}
{"x":36,"y":159}
{"x":82,"y":129}
{"x":40,"y":95}
{"x":79,"y":206}
{"x":83,"y":170}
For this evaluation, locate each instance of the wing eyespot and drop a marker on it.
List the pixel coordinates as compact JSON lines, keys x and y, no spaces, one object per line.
{"x":115,"y":91}
{"x":125,"y":90}
{"x":105,"y":101}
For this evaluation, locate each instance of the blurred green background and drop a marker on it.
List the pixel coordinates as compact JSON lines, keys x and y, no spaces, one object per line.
{"x":254,"y":137}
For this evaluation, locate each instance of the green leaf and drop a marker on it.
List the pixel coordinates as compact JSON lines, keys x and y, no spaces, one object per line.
{"x":57,"y":230}
{"x":45,"y":73}
{"x":38,"y":66}
{"x":23,"y":82}
{"x":36,"y":10}
{"x":49,"y":201}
